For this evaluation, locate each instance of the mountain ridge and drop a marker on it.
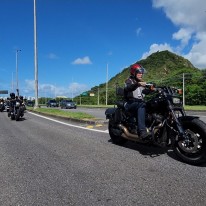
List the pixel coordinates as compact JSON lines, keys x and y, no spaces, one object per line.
{"x":159,"y":66}
{"x":164,"y":68}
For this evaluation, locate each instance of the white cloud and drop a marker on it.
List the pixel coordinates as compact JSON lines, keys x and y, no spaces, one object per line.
{"x":157,"y":47}
{"x":110,"y":53}
{"x":50,"y":90}
{"x":184,"y":35}
{"x":84,"y":60}
{"x":138,"y":31}
{"x":76,"y":88}
{"x":189,"y":16}
{"x":198,"y":52}
{"x":52,"y":56}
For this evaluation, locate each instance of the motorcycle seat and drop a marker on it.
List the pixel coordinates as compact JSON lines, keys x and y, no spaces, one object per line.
{"x":121,"y":104}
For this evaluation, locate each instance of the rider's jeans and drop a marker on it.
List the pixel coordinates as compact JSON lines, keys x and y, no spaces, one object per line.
{"x":137,"y":107}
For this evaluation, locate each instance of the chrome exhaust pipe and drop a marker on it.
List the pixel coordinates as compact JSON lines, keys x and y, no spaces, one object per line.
{"x":135,"y":137}
{"x":156,"y":128}
{"x":127,"y":135}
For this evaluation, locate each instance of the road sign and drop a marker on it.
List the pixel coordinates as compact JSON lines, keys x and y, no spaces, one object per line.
{"x":3,"y":91}
{"x":84,"y":94}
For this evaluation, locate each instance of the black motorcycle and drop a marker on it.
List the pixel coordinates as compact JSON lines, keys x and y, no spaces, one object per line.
{"x":16,"y":109}
{"x":167,"y":121}
{"x":2,"y":106}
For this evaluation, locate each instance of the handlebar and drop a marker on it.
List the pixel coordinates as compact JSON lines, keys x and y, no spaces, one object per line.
{"x":170,"y":90}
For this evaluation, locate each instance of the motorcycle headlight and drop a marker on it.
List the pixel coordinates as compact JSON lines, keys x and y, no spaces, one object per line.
{"x":1,"y":103}
{"x":176,"y":100}
{"x":17,"y":104}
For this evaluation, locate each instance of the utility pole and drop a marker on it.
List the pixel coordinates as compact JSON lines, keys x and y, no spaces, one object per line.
{"x":35,"y":58}
{"x":12,"y":83}
{"x":17,"y":81}
{"x":98,"y":97}
{"x":183,"y":89}
{"x":106,"y":83}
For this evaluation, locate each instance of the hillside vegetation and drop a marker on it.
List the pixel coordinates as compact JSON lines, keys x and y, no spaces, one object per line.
{"x":163,"y":68}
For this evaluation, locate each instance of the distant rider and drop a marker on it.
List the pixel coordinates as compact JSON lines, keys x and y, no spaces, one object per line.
{"x":12,"y":102}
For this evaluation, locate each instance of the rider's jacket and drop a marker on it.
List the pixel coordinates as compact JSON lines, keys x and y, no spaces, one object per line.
{"x":133,"y":91}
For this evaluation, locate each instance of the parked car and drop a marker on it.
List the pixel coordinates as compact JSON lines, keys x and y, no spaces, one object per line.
{"x":30,"y":103}
{"x":52,"y":103}
{"x":68,"y":104}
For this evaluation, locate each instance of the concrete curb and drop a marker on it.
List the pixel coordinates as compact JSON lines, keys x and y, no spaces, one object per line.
{"x":86,"y":121}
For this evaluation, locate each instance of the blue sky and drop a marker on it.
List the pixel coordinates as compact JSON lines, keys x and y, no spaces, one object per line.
{"x":78,"y":38}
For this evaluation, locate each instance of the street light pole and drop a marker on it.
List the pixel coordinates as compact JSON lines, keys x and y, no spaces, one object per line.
{"x":12,"y":83}
{"x":17,"y":81}
{"x":98,"y":97}
{"x":106,"y":83}
{"x":35,"y":57}
{"x":183,"y":89}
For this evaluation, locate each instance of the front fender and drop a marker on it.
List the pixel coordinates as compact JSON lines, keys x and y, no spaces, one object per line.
{"x":110,"y":112}
{"x":187,"y":118}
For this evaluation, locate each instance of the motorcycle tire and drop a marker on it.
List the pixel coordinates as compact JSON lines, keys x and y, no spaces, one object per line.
{"x":195,"y":153}
{"x":12,"y":117}
{"x":17,"y":116}
{"x":116,"y":139}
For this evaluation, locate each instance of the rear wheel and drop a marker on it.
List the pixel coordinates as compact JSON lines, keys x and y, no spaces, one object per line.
{"x":193,"y":151}
{"x":115,"y":134}
{"x":12,"y":116}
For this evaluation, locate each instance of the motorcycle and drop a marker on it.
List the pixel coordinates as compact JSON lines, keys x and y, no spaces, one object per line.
{"x":2,"y":106}
{"x":16,"y":110}
{"x":166,"y":119}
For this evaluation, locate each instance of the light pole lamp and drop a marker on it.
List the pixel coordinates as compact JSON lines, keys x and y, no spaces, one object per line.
{"x":17,"y":81}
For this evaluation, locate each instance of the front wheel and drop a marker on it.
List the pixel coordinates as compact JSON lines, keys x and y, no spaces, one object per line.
{"x":17,"y":115}
{"x":193,"y":151}
{"x":115,"y":133}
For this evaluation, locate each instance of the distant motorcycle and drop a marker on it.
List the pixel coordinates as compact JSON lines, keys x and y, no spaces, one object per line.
{"x":2,"y":106}
{"x":167,"y":121}
{"x":16,"y":109}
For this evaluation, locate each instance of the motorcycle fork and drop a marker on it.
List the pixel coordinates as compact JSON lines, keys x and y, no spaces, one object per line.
{"x":180,"y":130}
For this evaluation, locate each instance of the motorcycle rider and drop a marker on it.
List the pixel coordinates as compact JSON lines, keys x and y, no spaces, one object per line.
{"x":2,"y":104}
{"x":135,"y":99}
{"x":11,"y":103}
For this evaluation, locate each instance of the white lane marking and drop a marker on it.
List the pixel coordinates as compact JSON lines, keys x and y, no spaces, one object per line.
{"x":71,"y":125}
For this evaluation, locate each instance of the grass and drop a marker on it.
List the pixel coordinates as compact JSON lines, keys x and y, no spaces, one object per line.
{"x":196,"y":108}
{"x":187,"y":107}
{"x":62,"y":113}
{"x":85,"y":116}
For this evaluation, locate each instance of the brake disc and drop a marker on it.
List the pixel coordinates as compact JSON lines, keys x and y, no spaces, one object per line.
{"x":194,"y":142}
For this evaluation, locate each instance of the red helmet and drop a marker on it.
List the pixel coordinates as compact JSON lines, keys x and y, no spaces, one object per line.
{"x":136,"y":68}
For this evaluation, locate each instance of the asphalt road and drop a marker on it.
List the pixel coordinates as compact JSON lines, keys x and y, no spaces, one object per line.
{"x":45,"y":162}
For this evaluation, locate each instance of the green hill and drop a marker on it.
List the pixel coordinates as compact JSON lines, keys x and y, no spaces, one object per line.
{"x":160,"y":67}
{"x":163,"y":68}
